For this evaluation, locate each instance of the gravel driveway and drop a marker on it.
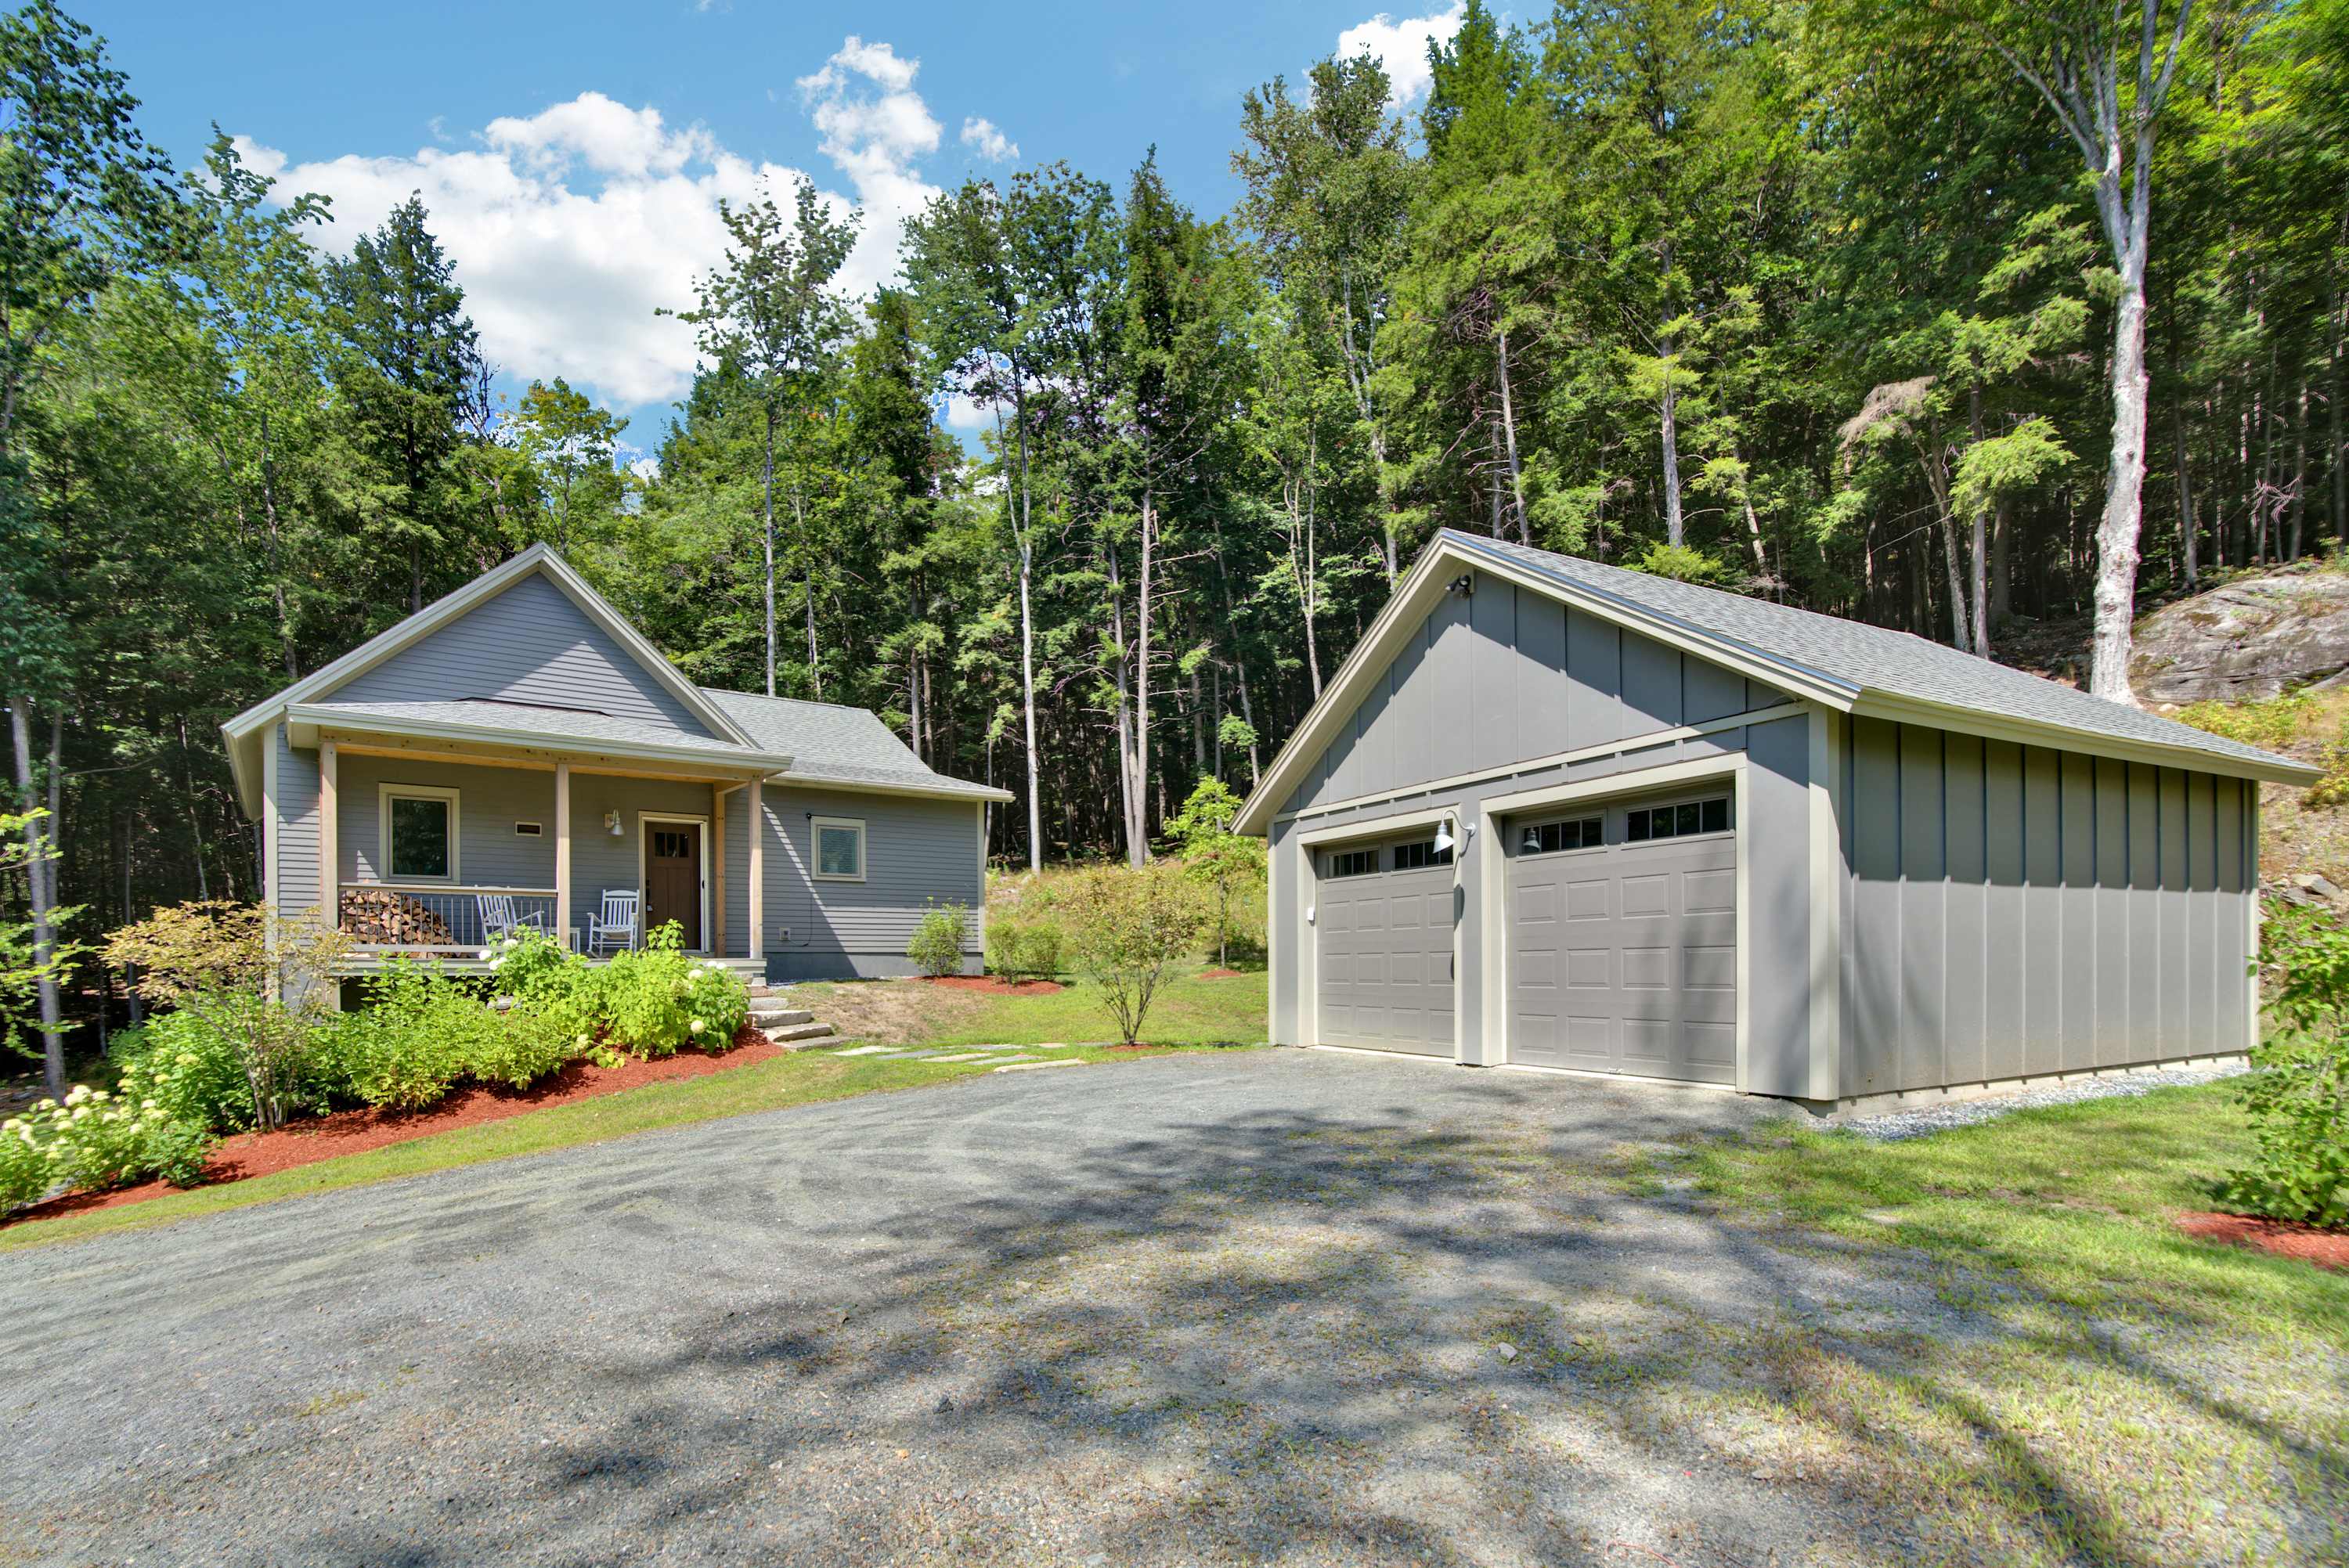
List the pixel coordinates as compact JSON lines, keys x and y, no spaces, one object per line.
{"x":1256,"y":1307}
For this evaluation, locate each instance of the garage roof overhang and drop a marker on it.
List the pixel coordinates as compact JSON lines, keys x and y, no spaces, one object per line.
{"x":1439,"y":565}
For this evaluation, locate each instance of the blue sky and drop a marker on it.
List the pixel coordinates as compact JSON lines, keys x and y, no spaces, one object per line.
{"x":572,"y":155}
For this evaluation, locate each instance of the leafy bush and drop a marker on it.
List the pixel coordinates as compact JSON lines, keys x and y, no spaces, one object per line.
{"x":655,"y":999}
{"x":1023,"y":947}
{"x":527,"y":962}
{"x":95,"y":1140}
{"x":2269,"y":724}
{"x":423,"y":1033}
{"x":1229,"y":863}
{"x":2333,"y":790}
{"x":194,"y":1069}
{"x":936,"y":942}
{"x":2298,"y":1093}
{"x":1126,"y":927}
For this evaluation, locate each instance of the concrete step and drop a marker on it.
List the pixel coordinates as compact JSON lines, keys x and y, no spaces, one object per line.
{"x":798,"y":1033}
{"x":767,"y":1018}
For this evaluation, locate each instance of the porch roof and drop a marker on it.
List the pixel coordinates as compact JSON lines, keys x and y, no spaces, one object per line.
{"x":526,"y":726}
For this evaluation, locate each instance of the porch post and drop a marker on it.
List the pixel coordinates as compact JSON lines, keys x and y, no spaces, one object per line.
{"x":562,"y":853}
{"x":757,"y":823}
{"x":330,"y":897}
{"x":717,"y":869}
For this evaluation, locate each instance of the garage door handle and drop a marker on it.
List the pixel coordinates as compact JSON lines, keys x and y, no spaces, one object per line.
{"x":1308,"y":914}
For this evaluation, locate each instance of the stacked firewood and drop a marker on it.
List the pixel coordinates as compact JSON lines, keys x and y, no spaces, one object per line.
{"x":382,"y":918}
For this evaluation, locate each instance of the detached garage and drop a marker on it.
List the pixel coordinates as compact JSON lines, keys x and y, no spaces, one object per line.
{"x":1553,"y":814}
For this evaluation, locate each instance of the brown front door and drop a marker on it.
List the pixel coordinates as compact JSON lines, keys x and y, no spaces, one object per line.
{"x":672,"y":878}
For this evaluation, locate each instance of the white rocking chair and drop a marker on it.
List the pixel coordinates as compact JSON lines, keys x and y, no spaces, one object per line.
{"x":615,"y":927}
{"x":496,"y":910}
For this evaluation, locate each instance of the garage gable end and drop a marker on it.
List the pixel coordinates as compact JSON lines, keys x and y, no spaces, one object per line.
{"x":1501,"y":674}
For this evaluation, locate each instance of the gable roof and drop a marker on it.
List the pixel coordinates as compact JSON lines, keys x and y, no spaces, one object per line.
{"x":831,"y":744}
{"x":846,"y":751}
{"x":1847,"y":665}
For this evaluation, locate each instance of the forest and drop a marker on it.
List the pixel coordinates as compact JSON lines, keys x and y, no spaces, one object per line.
{"x":1951,"y":316}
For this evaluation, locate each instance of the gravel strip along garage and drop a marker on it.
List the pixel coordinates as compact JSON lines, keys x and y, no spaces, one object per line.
{"x":1272,"y":1306}
{"x":1895,"y":1125}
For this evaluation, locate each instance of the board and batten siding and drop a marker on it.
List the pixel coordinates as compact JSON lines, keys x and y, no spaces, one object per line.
{"x":2015,"y":911}
{"x":1508,"y":675}
{"x":528,"y":645}
{"x":1505,"y":674}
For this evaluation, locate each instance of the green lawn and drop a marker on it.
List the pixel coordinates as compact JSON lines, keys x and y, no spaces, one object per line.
{"x":2080,"y":1382}
{"x":1188,"y":1010}
{"x":1194,"y":1013}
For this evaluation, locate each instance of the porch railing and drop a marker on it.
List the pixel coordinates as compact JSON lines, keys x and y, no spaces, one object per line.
{"x":415,"y":918}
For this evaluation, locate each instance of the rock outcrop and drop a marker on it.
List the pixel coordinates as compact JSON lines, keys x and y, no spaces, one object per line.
{"x":2250,"y":638}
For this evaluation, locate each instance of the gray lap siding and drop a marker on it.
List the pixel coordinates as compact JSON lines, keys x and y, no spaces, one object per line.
{"x":295,"y":793}
{"x":916,"y":852}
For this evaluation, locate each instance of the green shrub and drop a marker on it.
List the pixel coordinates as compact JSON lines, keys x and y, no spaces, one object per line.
{"x":192,"y":1066}
{"x":27,"y":1173}
{"x":423,"y":1033}
{"x":2298,"y":1092}
{"x":93,"y":1141}
{"x":653,"y":1000}
{"x":1126,"y":927}
{"x":936,"y":942}
{"x":2333,"y":790}
{"x":1023,"y":947}
{"x":2270,"y":724}
{"x":527,"y":962}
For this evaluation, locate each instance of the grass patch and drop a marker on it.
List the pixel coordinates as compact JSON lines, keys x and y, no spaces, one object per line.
{"x":803,"y":1078}
{"x":1188,"y":1011}
{"x":2060,"y":1376}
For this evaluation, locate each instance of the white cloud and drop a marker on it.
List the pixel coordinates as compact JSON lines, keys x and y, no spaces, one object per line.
{"x":876,"y":138}
{"x":982,"y":137}
{"x":570,"y":226}
{"x":1402,"y":47}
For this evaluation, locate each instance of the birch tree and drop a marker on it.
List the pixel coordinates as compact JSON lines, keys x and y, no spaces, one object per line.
{"x":770,"y":312}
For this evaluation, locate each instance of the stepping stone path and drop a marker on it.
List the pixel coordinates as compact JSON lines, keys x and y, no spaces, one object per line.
{"x":1029,"y":1064}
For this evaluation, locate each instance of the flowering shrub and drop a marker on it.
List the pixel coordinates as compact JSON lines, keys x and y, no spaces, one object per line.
{"x":655,"y":999}
{"x":194,"y":1069}
{"x":528,"y":961}
{"x":95,"y":1140}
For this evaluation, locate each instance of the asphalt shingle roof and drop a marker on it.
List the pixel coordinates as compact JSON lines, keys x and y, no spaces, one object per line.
{"x":826,"y":740}
{"x":1863,"y":657}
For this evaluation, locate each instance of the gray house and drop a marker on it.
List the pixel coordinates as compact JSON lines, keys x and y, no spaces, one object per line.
{"x":517,"y":752}
{"x":1555,"y":814}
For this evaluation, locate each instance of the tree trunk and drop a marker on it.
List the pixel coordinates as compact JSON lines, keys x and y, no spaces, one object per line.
{"x":1138,"y":849}
{"x":1674,"y":532}
{"x":40,"y":883}
{"x":807,"y":579}
{"x":1509,"y":429}
{"x":766,"y":532}
{"x":2116,"y":535}
{"x":1026,"y":542}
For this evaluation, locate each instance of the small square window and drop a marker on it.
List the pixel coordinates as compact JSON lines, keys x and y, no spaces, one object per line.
{"x":1716,"y":815}
{"x":839,"y":849}
{"x":1640,"y":826}
{"x":1690,"y":819}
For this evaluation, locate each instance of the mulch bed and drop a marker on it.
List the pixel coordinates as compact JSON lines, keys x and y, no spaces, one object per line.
{"x":249,"y":1154}
{"x":994,"y":986}
{"x":2311,"y":1243}
{"x":1219,"y":974}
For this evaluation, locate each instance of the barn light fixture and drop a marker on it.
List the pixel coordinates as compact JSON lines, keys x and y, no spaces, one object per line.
{"x":611,"y":822}
{"x":1464,"y":585}
{"x":1445,"y":833}
{"x":1531,"y":843}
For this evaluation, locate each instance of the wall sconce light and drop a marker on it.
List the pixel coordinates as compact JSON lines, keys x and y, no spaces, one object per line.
{"x":611,"y":822}
{"x":1447,"y":835}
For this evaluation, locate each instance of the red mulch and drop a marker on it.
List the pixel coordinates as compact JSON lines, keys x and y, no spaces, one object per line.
{"x":2311,"y":1243}
{"x":250,"y":1154}
{"x":1219,"y":974}
{"x":995,"y":985}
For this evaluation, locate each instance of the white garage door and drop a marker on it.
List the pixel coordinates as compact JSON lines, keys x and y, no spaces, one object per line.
{"x":1382,"y":946}
{"x":1623,"y":939}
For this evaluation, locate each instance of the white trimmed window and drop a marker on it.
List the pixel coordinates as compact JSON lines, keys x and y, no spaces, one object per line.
{"x":838,"y":848}
{"x":419,"y":832}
